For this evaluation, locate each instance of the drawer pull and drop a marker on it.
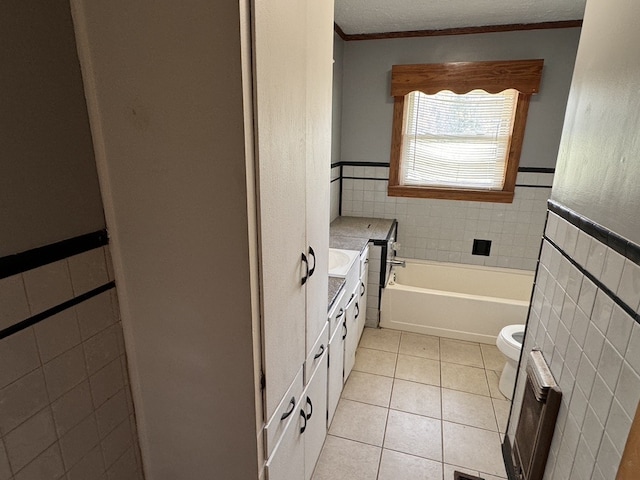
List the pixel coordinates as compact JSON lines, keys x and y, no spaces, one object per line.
{"x":292,"y":402}
{"x":311,"y":406}
{"x":312,"y":254}
{"x":364,"y":289}
{"x":346,"y":330}
{"x":340,"y":313}
{"x":320,"y":352}
{"x":306,"y":266}
{"x":357,"y":310}
{"x":304,"y":417}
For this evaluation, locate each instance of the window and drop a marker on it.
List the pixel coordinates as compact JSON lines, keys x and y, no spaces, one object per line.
{"x":458,"y":128}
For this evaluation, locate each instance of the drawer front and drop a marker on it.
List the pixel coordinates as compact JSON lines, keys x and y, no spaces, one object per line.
{"x":317,"y":354}
{"x":336,"y":316}
{"x":364,"y":260}
{"x":287,"y":408}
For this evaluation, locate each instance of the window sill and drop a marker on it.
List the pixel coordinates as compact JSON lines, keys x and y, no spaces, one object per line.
{"x":494,"y":196}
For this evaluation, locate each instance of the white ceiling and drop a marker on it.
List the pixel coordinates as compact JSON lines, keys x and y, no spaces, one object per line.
{"x":378,"y":16}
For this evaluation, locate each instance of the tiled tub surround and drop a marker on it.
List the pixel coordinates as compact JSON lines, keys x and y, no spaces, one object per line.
{"x":584,"y":319}
{"x":65,"y":403}
{"x":444,"y":230}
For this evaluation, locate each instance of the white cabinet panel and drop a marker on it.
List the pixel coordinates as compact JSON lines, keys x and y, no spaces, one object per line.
{"x":287,"y":460}
{"x":336,"y":365}
{"x":316,"y":415}
{"x":351,"y":342}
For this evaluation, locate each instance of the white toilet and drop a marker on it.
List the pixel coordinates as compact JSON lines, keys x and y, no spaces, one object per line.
{"x":509,"y":342}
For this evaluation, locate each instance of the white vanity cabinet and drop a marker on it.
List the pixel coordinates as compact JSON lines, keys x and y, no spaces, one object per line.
{"x":336,"y":354}
{"x":301,"y":438}
{"x":355,"y":313}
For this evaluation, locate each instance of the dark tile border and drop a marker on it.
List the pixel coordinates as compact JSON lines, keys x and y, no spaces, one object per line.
{"x":624,"y":247}
{"x":37,"y":257}
{"x":29,"y":322}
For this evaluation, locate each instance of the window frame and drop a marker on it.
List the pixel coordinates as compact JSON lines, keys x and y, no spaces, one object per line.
{"x":462,"y":77}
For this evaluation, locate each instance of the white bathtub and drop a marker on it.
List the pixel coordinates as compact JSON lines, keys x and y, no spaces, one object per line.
{"x":465,"y":302}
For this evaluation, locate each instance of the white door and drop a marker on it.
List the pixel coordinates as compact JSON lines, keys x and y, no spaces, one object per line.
{"x":280,"y":108}
{"x":319,"y":82}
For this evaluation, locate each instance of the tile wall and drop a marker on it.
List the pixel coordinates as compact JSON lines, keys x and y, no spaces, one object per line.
{"x":65,"y":403}
{"x":584,"y":319}
{"x":444,"y":230}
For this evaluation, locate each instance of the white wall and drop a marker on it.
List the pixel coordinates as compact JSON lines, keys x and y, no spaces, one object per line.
{"x":48,"y":183}
{"x":598,"y":167}
{"x":164,"y":82}
{"x":585,"y":309}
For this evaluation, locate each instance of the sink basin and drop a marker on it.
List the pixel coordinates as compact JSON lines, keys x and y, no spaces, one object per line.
{"x":340,"y":261}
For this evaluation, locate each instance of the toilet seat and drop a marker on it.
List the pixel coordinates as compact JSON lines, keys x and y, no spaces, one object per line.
{"x":509,"y":345}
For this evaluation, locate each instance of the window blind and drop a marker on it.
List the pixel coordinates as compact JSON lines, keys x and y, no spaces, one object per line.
{"x":457,"y":140}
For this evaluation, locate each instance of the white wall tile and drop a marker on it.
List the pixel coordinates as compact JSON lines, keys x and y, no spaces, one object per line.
{"x":586,"y":374}
{"x":91,"y":466}
{"x":583,"y":245}
{"x":602,"y":310}
{"x":46,"y":466}
{"x":5,"y":471}
{"x":30,"y":439}
{"x":48,"y":286}
{"x":101,"y":349}
{"x":79,"y":441}
{"x":583,"y":463}
{"x":628,"y":389}
{"x":106,"y":382}
{"x":111,"y":413}
{"x":612,"y":269}
{"x":633,"y":349}
{"x":95,"y":314}
{"x":610,"y":364}
{"x":22,"y":399}
{"x":587,"y":296}
{"x":18,"y":356}
{"x":116,"y":442}
{"x":88,"y":270}
{"x":618,"y":425}
{"x":629,"y":288}
{"x":619,"y":330}
{"x":592,"y":430}
{"x":596,"y":258}
{"x":73,"y":407}
{"x":57,"y":334}
{"x":13,"y":301}
{"x":600,"y":399}
{"x":593,"y":344}
{"x":608,"y":458}
{"x":65,"y":372}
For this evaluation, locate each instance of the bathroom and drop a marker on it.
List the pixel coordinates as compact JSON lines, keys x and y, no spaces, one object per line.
{"x":192,"y":236}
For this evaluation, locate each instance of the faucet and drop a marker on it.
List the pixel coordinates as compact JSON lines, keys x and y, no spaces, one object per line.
{"x":397,"y":263}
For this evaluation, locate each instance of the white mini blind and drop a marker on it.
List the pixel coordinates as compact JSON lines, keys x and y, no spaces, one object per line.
{"x":454,"y":140}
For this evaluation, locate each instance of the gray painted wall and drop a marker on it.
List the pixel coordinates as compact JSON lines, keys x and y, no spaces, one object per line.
{"x":48,"y":184}
{"x":599,"y":160}
{"x":367,"y":106}
{"x":336,"y":120}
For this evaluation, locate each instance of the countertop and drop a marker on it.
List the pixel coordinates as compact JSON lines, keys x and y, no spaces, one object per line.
{"x":355,"y":233}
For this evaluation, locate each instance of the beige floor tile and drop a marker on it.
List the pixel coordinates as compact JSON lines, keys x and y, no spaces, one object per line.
{"x":368,"y":388}
{"x":343,"y":459}
{"x":492,"y":357}
{"x":414,"y":434}
{"x":468,"y":409}
{"x":380,"y":339}
{"x":464,"y":378}
{"x":501,"y":407}
{"x":360,"y":422}
{"x":375,"y":361}
{"x":472,"y":448}
{"x":396,"y":465}
{"x":416,"y":369}
{"x":463,"y":353}
{"x":417,"y":345}
{"x":416,"y":398}
{"x":450,"y":469}
{"x":493,"y":378}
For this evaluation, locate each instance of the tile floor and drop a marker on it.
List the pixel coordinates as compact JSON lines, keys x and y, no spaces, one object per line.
{"x":417,"y":407}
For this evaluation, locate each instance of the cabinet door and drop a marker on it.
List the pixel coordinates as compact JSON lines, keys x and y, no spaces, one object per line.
{"x":363,"y":292}
{"x":351,"y":342}
{"x":336,"y":368}
{"x":280,"y":109}
{"x":287,"y":460}
{"x":319,"y":81}
{"x":316,"y":416}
